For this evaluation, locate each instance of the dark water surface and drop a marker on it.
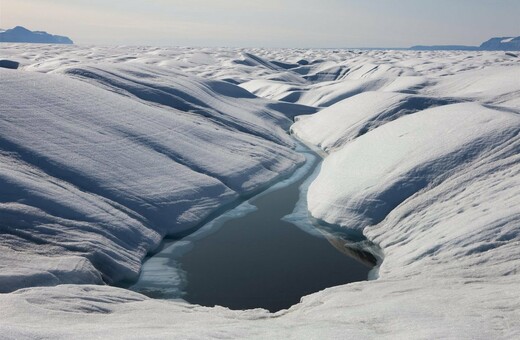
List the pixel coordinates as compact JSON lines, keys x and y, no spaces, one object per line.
{"x":259,"y":260}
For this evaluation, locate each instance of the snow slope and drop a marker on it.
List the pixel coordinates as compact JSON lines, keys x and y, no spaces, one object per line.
{"x":99,"y":176}
{"x":370,"y":176}
{"x":104,"y":150}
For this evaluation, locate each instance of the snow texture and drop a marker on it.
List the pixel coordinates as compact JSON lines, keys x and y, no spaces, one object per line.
{"x":105,"y":150}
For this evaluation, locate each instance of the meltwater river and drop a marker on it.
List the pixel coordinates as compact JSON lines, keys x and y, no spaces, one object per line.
{"x":265,"y":253}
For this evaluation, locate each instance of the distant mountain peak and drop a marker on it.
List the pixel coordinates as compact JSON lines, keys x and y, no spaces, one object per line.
{"x":493,"y":44}
{"x":502,"y":44}
{"x":20,"y":28}
{"x":20,"y":34}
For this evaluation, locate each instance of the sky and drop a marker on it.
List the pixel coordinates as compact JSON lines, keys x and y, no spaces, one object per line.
{"x":268,"y":23}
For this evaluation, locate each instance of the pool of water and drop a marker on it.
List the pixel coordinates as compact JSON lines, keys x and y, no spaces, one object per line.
{"x":254,"y":257}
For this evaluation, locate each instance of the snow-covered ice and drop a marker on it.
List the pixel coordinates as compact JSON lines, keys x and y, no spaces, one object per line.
{"x":101,"y":173}
{"x":370,"y":176}
{"x":106,"y":150}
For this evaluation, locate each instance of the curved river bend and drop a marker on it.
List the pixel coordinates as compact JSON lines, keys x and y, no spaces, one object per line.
{"x":265,"y":253}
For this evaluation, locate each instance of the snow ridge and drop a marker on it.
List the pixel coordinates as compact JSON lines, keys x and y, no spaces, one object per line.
{"x":97,"y":176}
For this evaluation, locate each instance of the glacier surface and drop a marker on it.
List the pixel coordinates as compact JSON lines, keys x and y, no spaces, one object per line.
{"x":106,"y":150}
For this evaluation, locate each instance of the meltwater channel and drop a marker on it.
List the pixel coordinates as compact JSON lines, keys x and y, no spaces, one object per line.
{"x":264,"y":253}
